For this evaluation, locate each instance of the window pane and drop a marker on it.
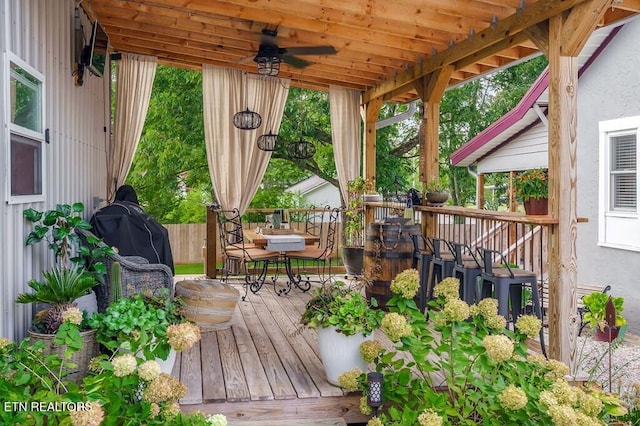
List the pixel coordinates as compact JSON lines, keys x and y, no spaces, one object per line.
{"x":623,"y":172}
{"x":25,"y":99}
{"x":26,"y":161}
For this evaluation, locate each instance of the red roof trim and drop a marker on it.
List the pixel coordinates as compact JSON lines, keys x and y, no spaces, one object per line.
{"x":504,"y":122}
{"x":516,"y":114}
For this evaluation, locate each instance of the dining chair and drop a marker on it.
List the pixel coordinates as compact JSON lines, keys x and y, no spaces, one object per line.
{"x":315,"y":255}
{"x":314,"y":221}
{"x":253,"y":261}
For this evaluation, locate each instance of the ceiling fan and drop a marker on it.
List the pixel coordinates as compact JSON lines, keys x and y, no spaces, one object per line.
{"x":270,"y":55}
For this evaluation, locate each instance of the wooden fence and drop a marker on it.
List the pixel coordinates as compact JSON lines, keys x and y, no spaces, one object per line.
{"x":187,"y":242}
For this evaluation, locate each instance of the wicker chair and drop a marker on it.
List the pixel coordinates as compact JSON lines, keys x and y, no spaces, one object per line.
{"x":136,"y":273}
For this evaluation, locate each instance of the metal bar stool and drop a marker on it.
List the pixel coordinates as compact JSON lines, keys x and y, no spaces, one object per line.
{"x":422,"y":254}
{"x":507,"y":284}
{"x":467,"y":268}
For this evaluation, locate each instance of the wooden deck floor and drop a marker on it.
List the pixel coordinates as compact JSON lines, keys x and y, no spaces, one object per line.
{"x":261,"y":368}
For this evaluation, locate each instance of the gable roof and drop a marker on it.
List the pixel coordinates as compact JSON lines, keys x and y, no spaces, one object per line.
{"x":530,"y":110}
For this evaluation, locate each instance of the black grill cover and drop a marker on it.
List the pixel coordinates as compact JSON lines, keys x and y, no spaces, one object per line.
{"x":124,"y":225}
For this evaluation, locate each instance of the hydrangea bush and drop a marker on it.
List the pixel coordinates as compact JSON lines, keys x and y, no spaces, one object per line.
{"x":463,"y":367}
{"x":121,"y":389}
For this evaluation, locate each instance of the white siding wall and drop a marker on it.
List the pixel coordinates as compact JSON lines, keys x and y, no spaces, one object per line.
{"x":40,"y":33}
{"x":527,"y":151}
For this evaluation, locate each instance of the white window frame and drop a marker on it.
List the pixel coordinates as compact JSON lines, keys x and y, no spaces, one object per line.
{"x":617,"y":228}
{"x":11,"y":128}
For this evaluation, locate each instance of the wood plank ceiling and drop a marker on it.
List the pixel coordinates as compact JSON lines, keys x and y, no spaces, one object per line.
{"x":377,"y":42}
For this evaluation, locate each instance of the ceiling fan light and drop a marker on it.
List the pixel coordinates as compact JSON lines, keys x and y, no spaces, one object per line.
{"x":247,"y":120}
{"x":268,"y":65}
{"x":268,"y":142}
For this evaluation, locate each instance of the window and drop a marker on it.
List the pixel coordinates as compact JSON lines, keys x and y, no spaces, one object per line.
{"x":26,"y":132}
{"x":619,"y":219}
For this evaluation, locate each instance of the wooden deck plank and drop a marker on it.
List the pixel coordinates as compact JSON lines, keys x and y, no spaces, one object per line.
{"x":347,"y":407}
{"x":234,"y":378}
{"x":281,"y":386}
{"x":302,"y":383}
{"x":254,"y":373}
{"x":212,"y":378}
{"x":297,"y":422}
{"x":191,"y":375}
{"x":288,"y":323}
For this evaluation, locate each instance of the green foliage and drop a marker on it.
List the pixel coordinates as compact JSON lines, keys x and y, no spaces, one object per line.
{"x":353,"y":228}
{"x":531,"y":184}
{"x":488,"y":375}
{"x":343,"y":307}
{"x":596,"y":304}
{"x":115,"y":293}
{"x":57,"y":227}
{"x":107,"y":395}
{"x":60,"y":286}
{"x":138,"y":323}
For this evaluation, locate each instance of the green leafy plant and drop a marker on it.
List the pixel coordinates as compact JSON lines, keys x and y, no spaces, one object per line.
{"x":61,"y":286}
{"x":531,"y":184}
{"x":120,"y":389}
{"x":343,"y":307}
{"x":138,"y":324}
{"x":596,"y":304}
{"x":434,"y":186}
{"x":79,"y":265}
{"x":463,"y":367}
{"x":353,"y":226}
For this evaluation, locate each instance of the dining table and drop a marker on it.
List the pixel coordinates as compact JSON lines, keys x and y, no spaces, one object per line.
{"x":283,"y":241}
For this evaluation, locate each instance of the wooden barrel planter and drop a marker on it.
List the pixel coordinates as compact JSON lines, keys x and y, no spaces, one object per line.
{"x":208,"y":303}
{"x":391,"y":246}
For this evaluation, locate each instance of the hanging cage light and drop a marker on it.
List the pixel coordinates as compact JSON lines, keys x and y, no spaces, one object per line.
{"x":268,"y":142}
{"x":301,"y":150}
{"x":268,"y":65}
{"x":247,"y":120}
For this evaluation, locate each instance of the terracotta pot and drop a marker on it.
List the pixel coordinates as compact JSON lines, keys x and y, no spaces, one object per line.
{"x":609,"y":334}
{"x":536,"y":206}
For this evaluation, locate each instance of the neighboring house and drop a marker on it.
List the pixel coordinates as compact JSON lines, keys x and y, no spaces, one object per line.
{"x":317,"y":192}
{"x":608,"y":134}
{"x":53,"y":138}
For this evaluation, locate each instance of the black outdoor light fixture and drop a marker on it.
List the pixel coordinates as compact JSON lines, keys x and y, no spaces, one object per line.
{"x":268,"y":65}
{"x":374,"y":391}
{"x":301,"y":150}
{"x":247,"y":120}
{"x":268,"y":142}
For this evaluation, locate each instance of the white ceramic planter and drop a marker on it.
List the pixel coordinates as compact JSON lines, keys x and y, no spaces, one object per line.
{"x":167,"y":365}
{"x":340,"y":353}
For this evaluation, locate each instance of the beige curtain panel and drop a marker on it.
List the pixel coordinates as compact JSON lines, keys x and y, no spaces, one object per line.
{"x":236,"y":165}
{"x":134,"y":80}
{"x":344,"y":105}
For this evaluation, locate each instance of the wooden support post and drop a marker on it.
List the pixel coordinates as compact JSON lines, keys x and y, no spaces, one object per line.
{"x":369,"y":154}
{"x":431,"y":88}
{"x":480,"y":191}
{"x":563,"y":84}
{"x":211,"y":255}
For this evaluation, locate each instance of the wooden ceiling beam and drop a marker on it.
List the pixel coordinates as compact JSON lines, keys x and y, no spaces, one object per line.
{"x":579,"y":25}
{"x":537,"y":12}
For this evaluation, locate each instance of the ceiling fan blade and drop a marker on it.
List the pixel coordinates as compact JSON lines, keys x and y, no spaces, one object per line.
{"x":310,"y":50}
{"x":294,"y":62}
